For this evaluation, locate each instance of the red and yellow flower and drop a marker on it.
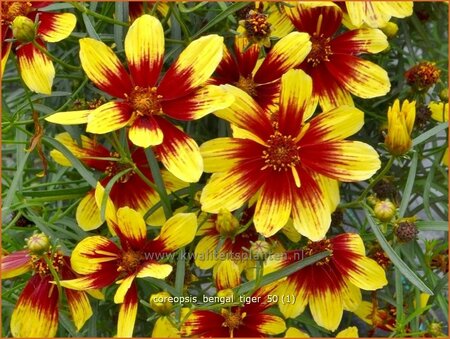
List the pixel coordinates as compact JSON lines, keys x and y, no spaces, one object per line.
{"x":330,"y":285}
{"x":29,"y":25}
{"x":261,"y":80}
{"x":102,"y":263}
{"x":349,"y":332}
{"x":375,"y":14}
{"x":145,"y":102}
{"x":36,"y":312}
{"x":334,"y":62}
{"x":243,"y":321}
{"x":292,"y":161}
{"x":130,"y":190}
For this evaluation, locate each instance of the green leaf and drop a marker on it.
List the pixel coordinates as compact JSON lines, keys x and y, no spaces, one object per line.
{"x":409,"y":185}
{"x":432,"y":225}
{"x":399,"y":263}
{"x":90,"y":27}
{"x":430,"y":133}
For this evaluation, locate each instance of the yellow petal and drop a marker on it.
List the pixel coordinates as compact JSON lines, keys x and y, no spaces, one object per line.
{"x":144,"y":48}
{"x":108,"y":117}
{"x":88,"y":213}
{"x":5,"y":54}
{"x":368,"y":275}
{"x":155,"y":270}
{"x":123,"y":288}
{"x":270,"y":324}
{"x":132,"y":226}
{"x":127,"y":314}
{"x":349,"y":332}
{"x":54,"y":27}
{"x":227,"y":275}
{"x":164,"y":328}
{"x":193,"y":67}
{"x":205,"y":252}
{"x":69,"y":118}
{"x":178,"y":231}
{"x":293,"y":332}
{"x":36,"y":69}
{"x":351,"y":296}
{"x":104,"y":68}
{"x":295,"y":308}
{"x":326,"y":308}
{"x":220,"y":154}
{"x":79,"y":307}
{"x":15,"y":263}
{"x":145,"y":132}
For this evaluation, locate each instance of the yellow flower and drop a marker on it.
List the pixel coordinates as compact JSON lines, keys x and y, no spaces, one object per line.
{"x":400,"y":124}
{"x":439,"y":112}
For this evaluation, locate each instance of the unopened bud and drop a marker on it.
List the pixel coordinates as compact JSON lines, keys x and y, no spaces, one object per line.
{"x":159,"y":302}
{"x":384,"y":210}
{"x":260,"y":249}
{"x":38,"y":243}
{"x":435,"y":329}
{"x":443,"y":95}
{"x":390,"y":29}
{"x":372,"y":200}
{"x":227,"y":223}
{"x":24,"y":29}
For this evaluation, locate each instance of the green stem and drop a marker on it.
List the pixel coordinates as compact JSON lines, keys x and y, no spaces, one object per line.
{"x":49,"y":263}
{"x":104,"y":18}
{"x":57,"y":60}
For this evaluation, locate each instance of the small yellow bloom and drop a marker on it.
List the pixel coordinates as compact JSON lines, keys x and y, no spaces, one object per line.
{"x":400,"y":125}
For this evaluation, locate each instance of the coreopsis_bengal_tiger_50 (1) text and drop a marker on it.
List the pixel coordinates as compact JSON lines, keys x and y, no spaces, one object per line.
{"x":291,"y":161}
{"x":145,"y":102}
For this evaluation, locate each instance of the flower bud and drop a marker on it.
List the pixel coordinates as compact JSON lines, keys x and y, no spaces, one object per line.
{"x":38,"y":243}
{"x":443,"y":95}
{"x":372,"y":200}
{"x":384,"y":210}
{"x":226,"y":223}
{"x":423,"y":75}
{"x":23,"y":29}
{"x":260,"y":249}
{"x":390,"y":29}
{"x":435,"y":329}
{"x":400,"y":124}
{"x":159,"y":302}
{"x":406,"y":231}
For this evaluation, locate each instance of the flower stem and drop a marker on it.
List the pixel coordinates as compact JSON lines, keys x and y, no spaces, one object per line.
{"x":104,"y":18}
{"x":49,"y":263}
{"x":57,"y":60}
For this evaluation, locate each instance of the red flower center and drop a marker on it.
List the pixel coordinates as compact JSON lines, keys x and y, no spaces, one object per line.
{"x":145,"y":101}
{"x":40,"y":265}
{"x":11,"y":10}
{"x":130,"y":261}
{"x":116,"y":167}
{"x":320,"y":51}
{"x":247,"y":85}
{"x":281,"y":152}
{"x":256,"y":25}
{"x":317,"y":247}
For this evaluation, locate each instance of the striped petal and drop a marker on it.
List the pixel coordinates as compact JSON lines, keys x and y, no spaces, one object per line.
{"x":127,"y":314}
{"x":177,"y":232}
{"x":360,"y":41}
{"x":326,"y":308}
{"x":54,"y":27}
{"x":179,"y":153}
{"x":79,"y":307}
{"x":297,"y":307}
{"x":104,"y":68}
{"x":342,"y":160}
{"x":95,"y":254}
{"x":331,"y":94}
{"x":311,"y":212}
{"x":192,"y":68}
{"x":267,"y":324}
{"x":131,"y":228}
{"x":246,"y":56}
{"x":88,"y":214}
{"x":320,"y":18}
{"x":274,"y":204}
{"x":15,"y":264}
{"x":164,"y":327}
{"x":144,"y":48}
{"x":283,"y":57}
{"x":92,"y":281}
{"x":205,"y":252}
{"x":145,"y":132}
{"x":227,"y":275}
{"x":230,"y":190}
{"x":69,"y":118}
{"x":366,"y":12}
{"x":6,"y":49}
{"x":228,"y":70}
{"x":155,"y":270}
{"x":109,"y":117}
{"x":37,"y":304}
{"x":204,"y":324}
{"x":221,"y":154}
{"x":198,"y":104}
{"x":336,"y":124}
{"x":36,"y":69}
{"x":280,"y":25}
{"x":296,"y":102}
{"x":245,"y":113}
{"x":124,"y":287}
{"x":360,"y":77}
